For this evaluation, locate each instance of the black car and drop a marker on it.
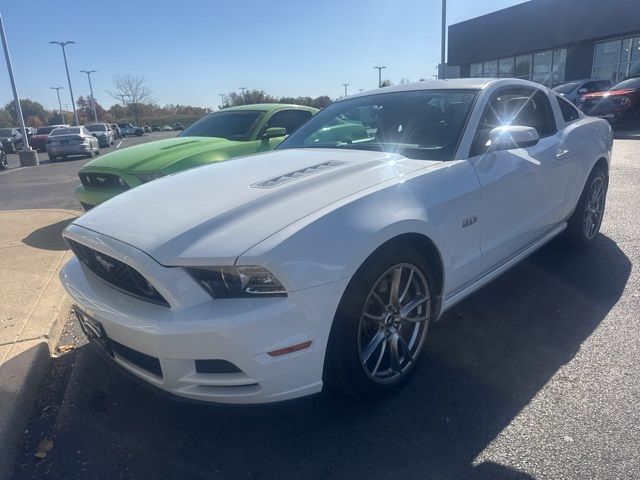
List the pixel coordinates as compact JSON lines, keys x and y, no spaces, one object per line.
{"x":155,"y":128}
{"x":178,"y":126}
{"x":3,"y":159}
{"x":11,"y":139}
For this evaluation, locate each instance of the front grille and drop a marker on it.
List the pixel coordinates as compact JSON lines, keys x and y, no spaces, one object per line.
{"x":116,"y":273}
{"x":139,"y":359}
{"x":103,"y":180}
{"x":216,"y":366}
{"x":596,"y":107}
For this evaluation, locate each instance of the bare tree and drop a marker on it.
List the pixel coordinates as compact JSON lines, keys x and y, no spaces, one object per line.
{"x":132,"y":90}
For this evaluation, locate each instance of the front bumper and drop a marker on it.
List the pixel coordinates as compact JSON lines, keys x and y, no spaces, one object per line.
{"x":90,"y":197}
{"x":196,"y":327}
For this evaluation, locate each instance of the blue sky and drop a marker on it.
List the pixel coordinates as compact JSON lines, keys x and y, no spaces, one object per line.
{"x":191,"y":50}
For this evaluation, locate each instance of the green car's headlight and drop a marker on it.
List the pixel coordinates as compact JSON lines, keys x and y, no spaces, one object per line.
{"x":238,"y":281}
{"x":147,"y":177}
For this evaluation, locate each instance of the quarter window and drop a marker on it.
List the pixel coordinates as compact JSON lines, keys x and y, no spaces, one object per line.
{"x":569,"y":112}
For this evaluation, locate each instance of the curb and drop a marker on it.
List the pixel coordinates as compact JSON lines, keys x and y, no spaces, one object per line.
{"x":22,"y":376}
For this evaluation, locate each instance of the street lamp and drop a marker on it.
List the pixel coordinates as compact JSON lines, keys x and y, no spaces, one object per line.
{"x":93,"y":100}
{"x":64,"y":54}
{"x":345,"y":85}
{"x":380,"y":75}
{"x":443,"y":40}
{"x":221,"y":95}
{"x":57,"y":89}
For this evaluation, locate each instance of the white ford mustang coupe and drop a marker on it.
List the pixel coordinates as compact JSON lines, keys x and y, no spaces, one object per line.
{"x":265,"y":277}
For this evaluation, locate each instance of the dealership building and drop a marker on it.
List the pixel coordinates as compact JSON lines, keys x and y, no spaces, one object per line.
{"x":551,"y":41}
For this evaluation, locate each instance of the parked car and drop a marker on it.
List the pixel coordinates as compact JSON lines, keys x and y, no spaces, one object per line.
{"x":155,"y":128}
{"x":324,"y":261}
{"x":573,"y":90}
{"x":3,"y":158}
{"x":116,"y":131}
{"x":71,"y":141}
{"x":30,"y":131}
{"x":147,"y":129}
{"x":216,"y":136}
{"x":128,"y":129}
{"x":103,"y":132}
{"x":167,"y":128}
{"x":11,"y":139}
{"x":621,"y":103}
{"x":178,"y":126}
{"x":39,"y":140}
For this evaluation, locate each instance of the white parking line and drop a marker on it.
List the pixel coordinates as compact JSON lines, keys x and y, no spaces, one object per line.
{"x":118,"y":145}
{"x":12,"y":170}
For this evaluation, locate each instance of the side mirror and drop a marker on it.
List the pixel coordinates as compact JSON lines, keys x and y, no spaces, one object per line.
{"x":274,"y":132}
{"x":582,"y":91}
{"x":512,"y":136}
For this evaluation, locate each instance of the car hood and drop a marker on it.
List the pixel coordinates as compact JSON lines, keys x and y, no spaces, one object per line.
{"x":158,"y":155}
{"x":217,"y":212}
{"x":608,"y":93}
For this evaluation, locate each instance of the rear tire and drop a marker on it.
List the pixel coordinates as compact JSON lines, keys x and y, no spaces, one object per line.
{"x":584,"y":224}
{"x":3,"y":161}
{"x":376,"y":338}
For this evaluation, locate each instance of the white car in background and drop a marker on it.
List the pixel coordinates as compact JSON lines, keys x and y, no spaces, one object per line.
{"x":262,"y":278}
{"x":71,"y":141}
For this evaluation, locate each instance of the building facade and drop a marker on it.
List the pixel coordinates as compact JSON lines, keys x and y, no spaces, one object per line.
{"x":551,"y":41}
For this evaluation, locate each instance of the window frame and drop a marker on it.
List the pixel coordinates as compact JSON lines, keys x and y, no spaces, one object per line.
{"x":475,"y":149}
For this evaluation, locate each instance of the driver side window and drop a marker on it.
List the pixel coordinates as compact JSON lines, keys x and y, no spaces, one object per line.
{"x":522,"y":106}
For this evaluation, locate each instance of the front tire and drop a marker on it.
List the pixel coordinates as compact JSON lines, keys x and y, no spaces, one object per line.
{"x":3,"y":161}
{"x":381,"y":324}
{"x":584,"y":224}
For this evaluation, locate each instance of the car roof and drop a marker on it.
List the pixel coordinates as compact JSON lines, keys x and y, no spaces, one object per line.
{"x":267,"y":107}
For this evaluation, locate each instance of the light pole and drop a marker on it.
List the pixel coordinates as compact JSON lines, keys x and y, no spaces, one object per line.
{"x":443,"y":40}
{"x":57,"y":89}
{"x":28,"y":157}
{"x":221,"y":95}
{"x":380,"y":75}
{"x":93,"y":100}
{"x":64,"y":54}
{"x":345,"y":85}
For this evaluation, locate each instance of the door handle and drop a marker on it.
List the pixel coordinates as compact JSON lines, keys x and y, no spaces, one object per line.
{"x":562,"y":154}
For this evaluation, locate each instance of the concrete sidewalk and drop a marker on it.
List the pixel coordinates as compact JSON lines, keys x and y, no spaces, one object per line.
{"x":33,"y":306}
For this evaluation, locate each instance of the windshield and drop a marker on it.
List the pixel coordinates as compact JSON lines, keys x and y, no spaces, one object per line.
{"x":6,"y":132}
{"x":629,"y":83}
{"x":566,"y":87}
{"x":44,"y":130}
{"x":65,"y":131}
{"x":97,"y":127}
{"x":237,"y":125}
{"x":424,"y":124}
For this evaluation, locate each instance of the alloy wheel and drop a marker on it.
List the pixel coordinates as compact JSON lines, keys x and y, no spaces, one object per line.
{"x":394,"y":323}
{"x":594,"y":207}
{"x":3,"y":161}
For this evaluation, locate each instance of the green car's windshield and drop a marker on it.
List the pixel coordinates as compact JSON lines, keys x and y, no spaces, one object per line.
{"x":236,"y":125}
{"x":423,"y":124}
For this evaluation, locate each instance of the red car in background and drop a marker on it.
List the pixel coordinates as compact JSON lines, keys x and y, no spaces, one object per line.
{"x":38,"y":141}
{"x":621,"y":103}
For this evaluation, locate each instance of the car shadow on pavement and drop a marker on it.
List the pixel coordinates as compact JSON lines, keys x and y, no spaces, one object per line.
{"x":484,"y":362}
{"x":49,"y":237}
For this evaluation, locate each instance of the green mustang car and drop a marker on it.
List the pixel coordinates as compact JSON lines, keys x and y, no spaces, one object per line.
{"x":225,"y":134}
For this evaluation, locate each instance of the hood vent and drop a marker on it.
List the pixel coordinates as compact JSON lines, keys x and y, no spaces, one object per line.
{"x":288,"y":177}
{"x":179,"y":144}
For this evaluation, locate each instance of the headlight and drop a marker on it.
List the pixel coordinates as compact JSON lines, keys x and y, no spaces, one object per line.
{"x":238,"y":281}
{"x":147,"y":177}
{"x":620,"y":101}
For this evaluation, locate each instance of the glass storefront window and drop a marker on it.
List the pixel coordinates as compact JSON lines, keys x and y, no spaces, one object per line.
{"x":476,"y":70}
{"x":490,"y":69}
{"x":617,"y":59}
{"x":542,"y":62}
{"x":523,"y":66}
{"x":559,"y":62}
{"x":505,"y":67}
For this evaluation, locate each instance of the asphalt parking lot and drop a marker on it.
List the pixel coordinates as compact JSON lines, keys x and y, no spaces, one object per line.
{"x":535,"y":376}
{"x":51,"y":185}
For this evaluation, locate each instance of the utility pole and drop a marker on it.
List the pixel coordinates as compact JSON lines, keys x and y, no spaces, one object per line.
{"x":93,"y":100}
{"x":221,"y":95}
{"x":443,"y":65}
{"x":345,"y":85}
{"x":28,"y":157}
{"x":380,"y":75}
{"x":57,"y":89}
{"x":64,"y":54}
